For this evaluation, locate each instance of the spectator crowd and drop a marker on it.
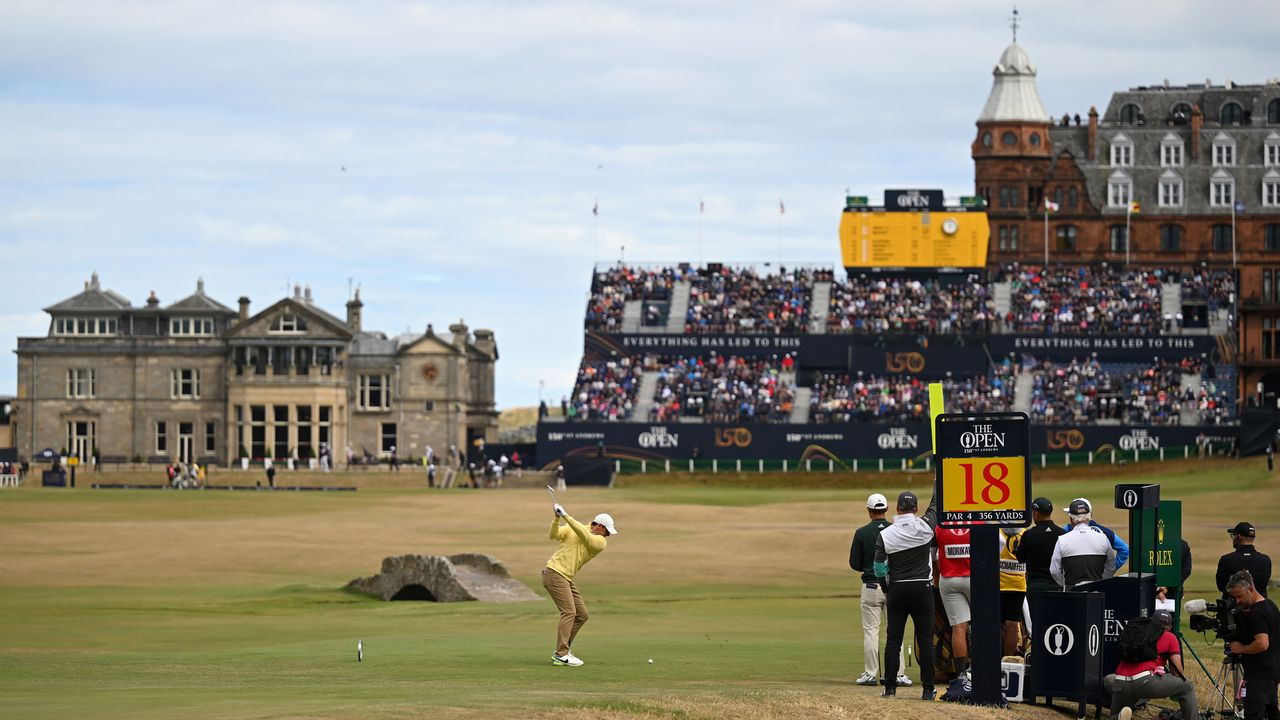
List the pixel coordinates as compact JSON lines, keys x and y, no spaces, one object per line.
{"x":723,"y":388}
{"x":910,"y":305}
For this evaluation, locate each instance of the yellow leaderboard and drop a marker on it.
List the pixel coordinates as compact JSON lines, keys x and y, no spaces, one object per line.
{"x":871,"y":238}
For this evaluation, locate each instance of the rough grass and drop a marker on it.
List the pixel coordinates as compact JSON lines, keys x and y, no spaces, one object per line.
{"x":148,"y":604}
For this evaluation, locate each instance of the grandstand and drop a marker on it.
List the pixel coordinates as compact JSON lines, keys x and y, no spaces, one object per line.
{"x":774,"y":362}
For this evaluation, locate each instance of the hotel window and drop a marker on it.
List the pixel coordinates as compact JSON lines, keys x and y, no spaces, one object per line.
{"x":326,"y":424}
{"x":1003,"y":232}
{"x":374,"y":392}
{"x":1057,"y":196}
{"x":1269,"y":332}
{"x":1224,"y":150}
{"x":1170,"y":238}
{"x":1171,"y":153}
{"x":1066,"y":238}
{"x":184,"y":384}
{"x":1271,"y":238}
{"x":1170,"y":191}
{"x":1130,"y":114}
{"x":210,"y":438}
{"x":1119,"y":238}
{"x":258,"y":431}
{"x":1222,"y":192}
{"x":1221,"y":235}
{"x":288,"y":324}
{"x":1267,"y":291}
{"x":1013,"y":237}
{"x":1073,"y":197}
{"x":1119,"y":191}
{"x":1271,"y":150}
{"x":1273,"y":112}
{"x":82,"y":383}
{"x":1121,"y":152}
{"x":1181,"y":114}
{"x":162,"y":437}
{"x":1231,"y":114}
{"x":191,"y":327}
{"x":1271,"y":189}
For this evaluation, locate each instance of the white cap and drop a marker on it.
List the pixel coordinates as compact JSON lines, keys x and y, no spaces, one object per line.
{"x":876,"y":501}
{"x":606,"y":520}
{"x":1083,"y":500}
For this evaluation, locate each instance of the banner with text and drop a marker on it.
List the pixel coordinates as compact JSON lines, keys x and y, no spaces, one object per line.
{"x":840,"y":441}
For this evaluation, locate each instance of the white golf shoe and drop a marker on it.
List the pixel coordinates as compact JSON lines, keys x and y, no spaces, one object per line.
{"x":574,"y":660}
{"x":866,"y":678}
{"x":566,"y":659}
{"x":904,"y":681}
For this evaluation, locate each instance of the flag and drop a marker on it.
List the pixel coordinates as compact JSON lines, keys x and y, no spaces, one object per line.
{"x":782,"y":209}
{"x":1134,"y":208}
{"x":1050,"y":206}
{"x":595,"y":209}
{"x":1239,"y":206}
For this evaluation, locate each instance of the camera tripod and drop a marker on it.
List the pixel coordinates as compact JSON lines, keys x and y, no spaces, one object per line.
{"x":1230,"y":675}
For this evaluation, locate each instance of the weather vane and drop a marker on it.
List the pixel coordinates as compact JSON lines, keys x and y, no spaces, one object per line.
{"x":1014,"y":23}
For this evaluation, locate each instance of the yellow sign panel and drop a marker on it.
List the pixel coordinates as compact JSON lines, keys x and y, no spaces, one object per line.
{"x":988,"y":489}
{"x":877,"y":238}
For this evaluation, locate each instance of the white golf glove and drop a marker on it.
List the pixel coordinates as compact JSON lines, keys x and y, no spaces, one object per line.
{"x":559,"y":510}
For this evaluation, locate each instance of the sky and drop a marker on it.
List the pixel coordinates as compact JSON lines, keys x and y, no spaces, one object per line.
{"x":446,"y":157}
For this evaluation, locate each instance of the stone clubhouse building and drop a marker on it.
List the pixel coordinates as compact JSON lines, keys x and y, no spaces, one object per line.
{"x":196,"y":380}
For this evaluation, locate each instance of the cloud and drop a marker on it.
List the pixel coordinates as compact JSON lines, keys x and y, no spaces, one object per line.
{"x":158,"y":143}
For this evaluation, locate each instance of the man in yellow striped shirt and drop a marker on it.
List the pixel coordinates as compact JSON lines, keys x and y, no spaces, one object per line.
{"x":578,"y":544}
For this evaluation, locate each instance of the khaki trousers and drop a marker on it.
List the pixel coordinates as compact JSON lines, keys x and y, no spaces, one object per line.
{"x":873,"y":611}
{"x":573,"y":611}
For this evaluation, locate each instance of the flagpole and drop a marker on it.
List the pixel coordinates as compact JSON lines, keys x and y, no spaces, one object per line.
{"x":1046,"y":236}
{"x":701,"y":207}
{"x":1128,"y":213}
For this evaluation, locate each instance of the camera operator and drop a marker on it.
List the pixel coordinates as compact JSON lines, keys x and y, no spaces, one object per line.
{"x":1150,"y":667}
{"x":1245,"y":557}
{"x":1260,"y":656}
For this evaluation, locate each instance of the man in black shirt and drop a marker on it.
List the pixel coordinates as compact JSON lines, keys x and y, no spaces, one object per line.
{"x":861,"y":558}
{"x":1258,"y":648}
{"x":1245,"y":557}
{"x":1036,"y":548}
{"x":904,"y":559}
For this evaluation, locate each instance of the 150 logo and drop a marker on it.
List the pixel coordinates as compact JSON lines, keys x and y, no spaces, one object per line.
{"x":733,"y":437}
{"x":1065,"y":439}
{"x":904,"y":362}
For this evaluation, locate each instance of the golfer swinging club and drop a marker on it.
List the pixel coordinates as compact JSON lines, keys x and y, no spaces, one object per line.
{"x":578,"y":544}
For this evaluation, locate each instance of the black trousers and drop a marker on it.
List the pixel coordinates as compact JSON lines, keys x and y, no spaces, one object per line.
{"x":1260,"y":698}
{"x":914,"y":599}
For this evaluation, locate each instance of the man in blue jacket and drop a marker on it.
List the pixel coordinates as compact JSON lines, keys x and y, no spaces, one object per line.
{"x":1120,"y":546}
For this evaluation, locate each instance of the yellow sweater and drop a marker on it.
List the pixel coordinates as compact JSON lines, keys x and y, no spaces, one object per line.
{"x":577,"y":546}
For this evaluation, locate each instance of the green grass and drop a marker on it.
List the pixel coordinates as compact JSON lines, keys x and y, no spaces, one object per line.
{"x":144,"y":604}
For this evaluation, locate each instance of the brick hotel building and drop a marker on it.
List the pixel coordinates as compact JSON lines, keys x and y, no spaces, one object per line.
{"x":1202,"y":161}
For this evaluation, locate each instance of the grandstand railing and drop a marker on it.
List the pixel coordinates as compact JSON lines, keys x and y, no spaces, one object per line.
{"x":1111,"y":456}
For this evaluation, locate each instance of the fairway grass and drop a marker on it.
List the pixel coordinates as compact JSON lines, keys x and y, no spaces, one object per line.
{"x":149,"y":604}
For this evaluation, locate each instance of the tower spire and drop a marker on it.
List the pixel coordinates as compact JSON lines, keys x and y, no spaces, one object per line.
{"x":1014,"y":23}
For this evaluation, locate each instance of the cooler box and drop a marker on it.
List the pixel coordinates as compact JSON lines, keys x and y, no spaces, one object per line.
{"x":1012,"y":678}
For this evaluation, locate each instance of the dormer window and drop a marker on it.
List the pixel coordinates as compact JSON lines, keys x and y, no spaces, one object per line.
{"x":1224,"y":150}
{"x":1121,"y":151}
{"x":84,"y":326}
{"x":1119,"y":189}
{"x":1271,"y":150}
{"x":1171,"y":151}
{"x":1231,"y":114}
{"x":289,"y":324}
{"x":1222,"y":189}
{"x":1170,"y":194}
{"x":1130,"y":115}
{"x":1271,"y":188}
{"x":191,"y":327}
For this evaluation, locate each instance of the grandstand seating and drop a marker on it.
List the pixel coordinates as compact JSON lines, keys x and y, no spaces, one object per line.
{"x":744,"y":301}
{"x":605,"y":391}
{"x":1084,"y":299}
{"x":720,"y":388}
{"x":900,"y":304}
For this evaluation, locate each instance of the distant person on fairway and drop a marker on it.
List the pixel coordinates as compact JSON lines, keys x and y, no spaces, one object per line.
{"x":578,"y":544}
